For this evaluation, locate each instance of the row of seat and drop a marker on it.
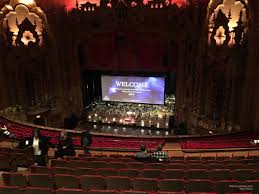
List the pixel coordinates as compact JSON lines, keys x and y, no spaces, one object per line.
{"x":173,"y":158}
{"x":13,"y":158}
{"x":37,"y":190}
{"x":214,"y":174}
{"x":151,"y":165}
{"x":88,"y":182}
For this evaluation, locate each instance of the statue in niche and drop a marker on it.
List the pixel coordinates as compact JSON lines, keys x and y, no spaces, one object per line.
{"x":220,"y":33}
{"x":236,"y":7}
{"x":27,"y":35}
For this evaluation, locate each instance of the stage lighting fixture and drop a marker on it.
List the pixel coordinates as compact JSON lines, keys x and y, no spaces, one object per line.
{"x":256,"y":141}
{"x":95,"y":115}
{"x":95,"y":126}
{"x":89,"y":117}
{"x":109,"y":127}
{"x":38,"y":116}
{"x":166,"y":133}
{"x":142,"y":131}
{"x":157,"y":132}
{"x":210,"y":132}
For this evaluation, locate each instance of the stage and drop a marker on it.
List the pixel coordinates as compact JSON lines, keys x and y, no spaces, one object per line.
{"x":130,"y":114}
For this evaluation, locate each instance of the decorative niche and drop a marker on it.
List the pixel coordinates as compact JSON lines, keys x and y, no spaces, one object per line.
{"x":228,"y":22}
{"x":23,"y":23}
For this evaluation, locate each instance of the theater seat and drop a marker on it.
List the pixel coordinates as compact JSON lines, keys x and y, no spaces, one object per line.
{"x":66,"y":181}
{"x":40,"y":169}
{"x":173,"y":174}
{"x":118,"y":183}
{"x":107,"y":172}
{"x":10,"y":190}
{"x":199,"y":186}
{"x":38,"y":190}
{"x":144,"y":184}
{"x":63,"y":170}
{"x":14,"y":179}
{"x":102,"y":192}
{"x":150,"y":173}
{"x":85,"y":171}
{"x":92,"y":182}
{"x":40,"y":180}
{"x":171,"y":185}
{"x":69,"y":191}
{"x":132,"y":173}
{"x":134,"y":192}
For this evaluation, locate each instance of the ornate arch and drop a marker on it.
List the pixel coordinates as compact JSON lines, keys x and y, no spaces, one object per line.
{"x":23,"y":23}
{"x":227,"y":22}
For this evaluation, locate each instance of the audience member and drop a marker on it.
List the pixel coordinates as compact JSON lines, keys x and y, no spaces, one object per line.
{"x":159,"y":155}
{"x":142,"y":155}
{"x":65,"y":146}
{"x":86,"y":140}
{"x":40,"y":145}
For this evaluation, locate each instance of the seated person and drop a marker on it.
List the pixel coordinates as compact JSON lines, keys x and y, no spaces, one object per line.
{"x":5,"y":133}
{"x":160,"y":155}
{"x":86,"y":140}
{"x":40,"y":146}
{"x":142,"y":155}
{"x":65,"y":146}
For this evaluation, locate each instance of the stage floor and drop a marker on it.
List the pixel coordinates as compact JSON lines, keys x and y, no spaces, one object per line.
{"x":131,"y":131}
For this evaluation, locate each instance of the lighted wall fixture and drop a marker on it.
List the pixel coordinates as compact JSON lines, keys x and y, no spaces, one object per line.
{"x":23,"y":23}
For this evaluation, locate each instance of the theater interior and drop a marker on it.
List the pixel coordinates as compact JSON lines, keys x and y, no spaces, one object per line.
{"x":129,"y":97}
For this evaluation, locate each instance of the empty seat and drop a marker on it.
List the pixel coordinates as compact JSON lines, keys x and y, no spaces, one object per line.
{"x":173,"y":174}
{"x":135,"y":165}
{"x":216,"y":166}
{"x":92,"y":182}
{"x":66,"y":181}
{"x":242,"y":174}
{"x":63,"y":170}
{"x":199,"y":186}
{"x":197,"y":174}
{"x":175,"y":166}
{"x":59,"y":163}
{"x":96,"y":164}
{"x":77,"y":164}
{"x":117,"y":165}
{"x":102,"y":192}
{"x":69,"y":191}
{"x":150,"y":173}
{"x":38,"y":190}
{"x":118,"y":183}
{"x":10,"y":190}
{"x":40,"y":180}
{"x":85,"y":171}
{"x":177,"y":192}
{"x":171,"y":185}
{"x":219,"y":174}
{"x":155,"y":166}
{"x":14,"y":179}
{"x":144,"y":184}
{"x":237,"y":166}
{"x":5,"y":164}
{"x":178,"y":158}
{"x":107,"y":172}
{"x":129,"y":173}
{"x":135,"y":192}
{"x":196,"y":166}
{"x":40,"y":169}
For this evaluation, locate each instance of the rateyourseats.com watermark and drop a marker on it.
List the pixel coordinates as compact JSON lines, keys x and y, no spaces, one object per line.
{"x":243,"y":187}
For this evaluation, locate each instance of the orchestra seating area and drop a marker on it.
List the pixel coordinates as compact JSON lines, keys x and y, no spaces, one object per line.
{"x":98,"y":142}
{"x":108,"y":175}
{"x":241,"y":140}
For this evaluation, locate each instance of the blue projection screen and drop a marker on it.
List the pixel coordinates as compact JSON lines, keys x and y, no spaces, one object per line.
{"x":147,"y":90}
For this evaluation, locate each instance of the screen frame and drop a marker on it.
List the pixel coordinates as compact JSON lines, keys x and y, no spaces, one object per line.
{"x":112,"y":75}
